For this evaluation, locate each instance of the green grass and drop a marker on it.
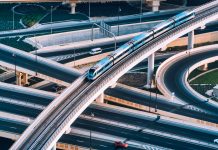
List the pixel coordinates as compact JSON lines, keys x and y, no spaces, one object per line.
{"x":208,"y":78}
{"x":1,"y":71}
{"x":31,"y":13}
{"x":30,"y":20}
{"x":19,"y":44}
{"x":194,"y":73}
{"x":60,"y":15}
{"x":6,"y":18}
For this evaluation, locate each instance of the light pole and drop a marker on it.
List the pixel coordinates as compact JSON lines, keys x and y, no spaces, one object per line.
{"x":156,"y":97}
{"x":90,"y":142}
{"x":150,"y":100}
{"x":13,"y":18}
{"x":92,"y":34}
{"x":141,"y":12}
{"x":51,"y":18}
{"x":74,"y":57}
{"x":15,"y":68}
{"x":118,"y":28}
{"x":89,"y":9}
{"x":36,"y":52}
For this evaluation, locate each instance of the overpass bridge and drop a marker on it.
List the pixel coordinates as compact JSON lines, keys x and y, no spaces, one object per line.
{"x":168,"y":78}
{"x":37,"y":66}
{"x":101,"y":121}
{"x":51,"y":124}
{"x":153,"y":3}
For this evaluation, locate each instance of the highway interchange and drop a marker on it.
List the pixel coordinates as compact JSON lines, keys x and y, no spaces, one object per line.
{"x":146,"y":132}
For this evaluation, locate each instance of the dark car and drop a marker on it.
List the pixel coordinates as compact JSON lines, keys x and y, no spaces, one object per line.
{"x":57,"y":88}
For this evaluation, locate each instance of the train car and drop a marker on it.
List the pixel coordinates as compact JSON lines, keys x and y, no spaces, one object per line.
{"x":122,"y":51}
{"x":172,"y":22}
{"x":142,"y":39}
{"x":163,"y":27}
{"x":138,"y":42}
{"x":183,"y":17}
{"x":108,"y":61}
{"x":99,"y":68}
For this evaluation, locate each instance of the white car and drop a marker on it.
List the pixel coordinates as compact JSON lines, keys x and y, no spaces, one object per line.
{"x":215,"y":141}
{"x":95,"y":51}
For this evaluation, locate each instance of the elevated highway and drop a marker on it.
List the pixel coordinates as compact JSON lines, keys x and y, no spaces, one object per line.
{"x":37,"y":99}
{"x":49,"y":126}
{"x":123,"y":93}
{"x":98,"y":124}
{"x":126,"y":123}
{"x":172,"y":75}
{"x":37,"y":66}
{"x":58,"y":27}
{"x":70,"y":1}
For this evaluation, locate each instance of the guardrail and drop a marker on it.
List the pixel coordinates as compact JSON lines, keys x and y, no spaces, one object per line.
{"x":100,"y":84}
{"x":177,"y":57}
{"x":38,"y":121}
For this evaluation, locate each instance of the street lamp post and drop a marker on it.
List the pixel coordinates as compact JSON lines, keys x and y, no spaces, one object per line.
{"x":13,"y":18}
{"x":90,"y":142}
{"x":36,"y":53}
{"x":92,"y":34}
{"x":51,"y":18}
{"x":156,"y":98}
{"x":141,"y":12}
{"x":15,"y":68}
{"x":89,"y":9}
{"x":74,"y":57}
{"x":150,"y":99}
{"x":118,"y":28}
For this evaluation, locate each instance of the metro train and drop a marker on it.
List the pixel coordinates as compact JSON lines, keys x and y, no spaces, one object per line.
{"x":137,"y":42}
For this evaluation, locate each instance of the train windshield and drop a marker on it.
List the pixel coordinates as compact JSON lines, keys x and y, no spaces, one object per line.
{"x":91,"y":72}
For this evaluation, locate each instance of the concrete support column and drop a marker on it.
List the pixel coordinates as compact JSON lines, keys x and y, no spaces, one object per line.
{"x":54,"y":147}
{"x":68,"y":131}
{"x":73,"y":8}
{"x":163,"y":48}
{"x":191,"y":39}
{"x":18,"y":78}
{"x":150,"y":71}
{"x":21,"y":78}
{"x":100,"y":98}
{"x":25,"y":78}
{"x":203,"y":67}
{"x":113,"y":85}
{"x":155,"y":4}
{"x":64,"y":2}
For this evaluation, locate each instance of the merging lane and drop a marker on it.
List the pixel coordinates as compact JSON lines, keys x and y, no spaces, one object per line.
{"x":173,"y":79}
{"x":55,"y":124}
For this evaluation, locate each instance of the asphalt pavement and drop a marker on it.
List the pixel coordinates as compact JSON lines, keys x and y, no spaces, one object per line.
{"x":173,"y":79}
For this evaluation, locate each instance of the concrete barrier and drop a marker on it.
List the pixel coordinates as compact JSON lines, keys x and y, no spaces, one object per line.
{"x":87,"y":60}
{"x":84,"y":35}
{"x":163,"y":67}
{"x":200,"y":38}
{"x":185,"y":77}
{"x":173,"y":59}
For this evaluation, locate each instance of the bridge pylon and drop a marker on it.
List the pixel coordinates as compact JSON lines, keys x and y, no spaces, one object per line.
{"x":155,"y":4}
{"x":100,"y":98}
{"x":21,"y":78}
{"x":150,"y":72}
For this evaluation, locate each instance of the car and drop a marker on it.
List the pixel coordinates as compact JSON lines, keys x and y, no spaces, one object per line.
{"x":119,"y":144}
{"x":57,"y":88}
{"x":95,"y":51}
{"x":215,"y":141}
